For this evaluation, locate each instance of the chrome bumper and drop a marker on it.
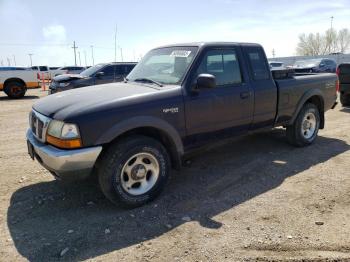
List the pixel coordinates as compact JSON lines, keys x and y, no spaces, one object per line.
{"x":65,"y":164}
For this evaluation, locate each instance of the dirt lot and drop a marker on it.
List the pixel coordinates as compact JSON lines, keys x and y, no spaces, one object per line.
{"x":254,"y":198}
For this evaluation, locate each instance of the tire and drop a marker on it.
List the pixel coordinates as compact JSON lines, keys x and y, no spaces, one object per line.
{"x":345,"y":99}
{"x":15,"y":89}
{"x":127,"y":171}
{"x":305,"y":128}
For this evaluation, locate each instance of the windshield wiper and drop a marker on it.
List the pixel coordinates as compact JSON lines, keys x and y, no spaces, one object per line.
{"x":144,"y":79}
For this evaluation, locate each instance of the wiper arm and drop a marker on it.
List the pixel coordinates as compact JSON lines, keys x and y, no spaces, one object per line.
{"x":148,"y":80}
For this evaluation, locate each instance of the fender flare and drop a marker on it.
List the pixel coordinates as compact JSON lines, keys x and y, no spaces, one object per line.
{"x":302,"y":101}
{"x":139,"y":122}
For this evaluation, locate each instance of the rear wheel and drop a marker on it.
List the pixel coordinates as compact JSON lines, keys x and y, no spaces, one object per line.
{"x":305,"y":128}
{"x":15,"y":89}
{"x":345,"y":99}
{"x":134,"y":171}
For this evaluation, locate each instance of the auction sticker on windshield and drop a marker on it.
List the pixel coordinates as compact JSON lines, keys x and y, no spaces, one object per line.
{"x":180,"y":53}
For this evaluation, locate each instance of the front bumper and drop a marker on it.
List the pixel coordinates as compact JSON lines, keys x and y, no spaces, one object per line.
{"x":65,"y":164}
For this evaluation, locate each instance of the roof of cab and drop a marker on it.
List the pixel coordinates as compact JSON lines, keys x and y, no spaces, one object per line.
{"x":206,"y":44}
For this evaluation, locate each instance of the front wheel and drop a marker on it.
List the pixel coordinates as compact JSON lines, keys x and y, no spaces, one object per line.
{"x":305,"y":128}
{"x":134,"y":171}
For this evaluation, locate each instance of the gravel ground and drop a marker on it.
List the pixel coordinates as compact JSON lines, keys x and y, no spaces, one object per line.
{"x":251,"y":199}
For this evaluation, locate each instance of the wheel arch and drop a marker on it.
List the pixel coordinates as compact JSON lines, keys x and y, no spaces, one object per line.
{"x":315,"y":97}
{"x":152,"y":127}
{"x":14,"y":79}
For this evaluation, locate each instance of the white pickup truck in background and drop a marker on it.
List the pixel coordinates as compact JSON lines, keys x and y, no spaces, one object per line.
{"x":16,"y":82}
{"x":42,"y":72}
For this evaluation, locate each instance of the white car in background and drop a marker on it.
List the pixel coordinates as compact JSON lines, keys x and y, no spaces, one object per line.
{"x":56,"y":71}
{"x":275,"y":65}
{"x":72,"y":69}
{"x":16,"y":82}
{"x":42,"y":72}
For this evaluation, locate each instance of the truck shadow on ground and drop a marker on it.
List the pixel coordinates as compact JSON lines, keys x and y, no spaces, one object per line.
{"x":46,"y":218}
{"x":6,"y":98}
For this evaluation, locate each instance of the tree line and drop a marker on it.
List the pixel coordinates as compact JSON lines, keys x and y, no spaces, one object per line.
{"x":330,"y":42}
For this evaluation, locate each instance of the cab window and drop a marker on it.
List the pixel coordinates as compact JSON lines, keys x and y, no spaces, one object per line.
{"x":223,"y":64}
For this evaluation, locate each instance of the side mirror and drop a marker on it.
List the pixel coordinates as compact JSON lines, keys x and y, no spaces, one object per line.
{"x":99,"y":74}
{"x":205,"y":81}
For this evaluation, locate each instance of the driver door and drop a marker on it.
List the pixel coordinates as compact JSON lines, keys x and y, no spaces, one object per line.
{"x":226,"y":108}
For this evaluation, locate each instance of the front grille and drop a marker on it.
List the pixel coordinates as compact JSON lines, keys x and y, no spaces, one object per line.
{"x":38,"y":125}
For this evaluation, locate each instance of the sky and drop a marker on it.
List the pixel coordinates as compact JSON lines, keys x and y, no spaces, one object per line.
{"x":47,"y":29}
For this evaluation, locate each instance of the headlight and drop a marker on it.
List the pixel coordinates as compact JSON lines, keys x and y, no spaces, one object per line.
{"x":63,"y":135}
{"x":63,"y":84}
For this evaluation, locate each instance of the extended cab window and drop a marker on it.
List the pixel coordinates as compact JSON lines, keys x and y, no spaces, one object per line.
{"x":258,"y":64}
{"x":223,"y":64}
{"x":108,"y":70}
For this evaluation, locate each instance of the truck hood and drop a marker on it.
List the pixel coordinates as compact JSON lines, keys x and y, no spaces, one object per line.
{"x":67,"y":77}
{"x":91,"y":99}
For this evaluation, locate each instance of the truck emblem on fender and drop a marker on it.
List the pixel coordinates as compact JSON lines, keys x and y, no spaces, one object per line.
{"x":171,"y":110}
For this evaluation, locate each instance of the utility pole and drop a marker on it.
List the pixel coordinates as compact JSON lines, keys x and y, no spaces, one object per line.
{"x":92,"y":55}
{"x":332,"y":17}
{"x":85,"y":58}
{"x":30,"y":57}
{"x":331,"y":36}
{"x":115,"y":43}
{"x":14,"y":60}
{"x":8,"y":61}
{"x":273,"y":53}
{"x":2,"y":62}
{"x":79,"y":58}
{"x":75,"y":52}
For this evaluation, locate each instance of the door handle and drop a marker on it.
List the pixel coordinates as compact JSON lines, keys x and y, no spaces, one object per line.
{"x":245,"y":95}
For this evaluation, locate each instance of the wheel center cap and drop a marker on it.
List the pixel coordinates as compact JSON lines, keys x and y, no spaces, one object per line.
{"x":138,"y":172}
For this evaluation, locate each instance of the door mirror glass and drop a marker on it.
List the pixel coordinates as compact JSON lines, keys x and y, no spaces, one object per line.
{"x":206,"y":81}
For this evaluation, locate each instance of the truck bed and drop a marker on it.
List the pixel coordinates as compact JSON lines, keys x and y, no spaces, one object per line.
{"x":291,"y":90}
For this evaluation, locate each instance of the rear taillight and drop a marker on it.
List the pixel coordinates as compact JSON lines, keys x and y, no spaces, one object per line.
{"x":38,"y":76}
{"x":337,"y":71}
{"x":337,"y":86}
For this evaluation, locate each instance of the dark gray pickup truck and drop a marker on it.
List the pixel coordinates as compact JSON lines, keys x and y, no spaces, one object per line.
{"x":177,"y":99}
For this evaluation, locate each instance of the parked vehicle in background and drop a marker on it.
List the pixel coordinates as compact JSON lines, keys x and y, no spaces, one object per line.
{"x":16,"y":82}
{"x":72,"y":69}
{"x":177,"y":99}
{"x":42,"y":71}
{"x":276,"y":65}
{"x":96,"y":75}
{"x":55,"y":71}
{"x":344,"y":83}
{"x":321,"y":65}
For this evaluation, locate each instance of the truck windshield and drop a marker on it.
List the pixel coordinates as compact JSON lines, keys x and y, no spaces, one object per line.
{"x":92,"y":70}
{"x":166,"y":65}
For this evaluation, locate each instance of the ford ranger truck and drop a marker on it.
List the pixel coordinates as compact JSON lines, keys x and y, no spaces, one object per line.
{"x":177,"y":99}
